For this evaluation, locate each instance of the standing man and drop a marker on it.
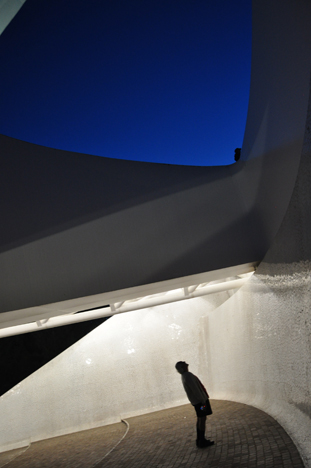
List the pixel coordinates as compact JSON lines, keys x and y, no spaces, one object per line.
{"x":199,"y":398}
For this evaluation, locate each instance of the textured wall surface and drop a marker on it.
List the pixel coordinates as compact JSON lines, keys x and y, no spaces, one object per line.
{"x":124,"y":367}
{"x":264,"y":355}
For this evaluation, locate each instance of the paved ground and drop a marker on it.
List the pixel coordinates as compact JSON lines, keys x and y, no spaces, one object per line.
{"x":244,"y":437}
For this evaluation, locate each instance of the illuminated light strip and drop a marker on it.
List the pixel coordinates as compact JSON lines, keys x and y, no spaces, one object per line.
{"x":72,"y":306}
{"x":127,"y":306}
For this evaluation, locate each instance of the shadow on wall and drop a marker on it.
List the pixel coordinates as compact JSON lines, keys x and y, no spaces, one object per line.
{"x":54,"y":190}
{"x":22,"y":355}
{"x":198,"y":257}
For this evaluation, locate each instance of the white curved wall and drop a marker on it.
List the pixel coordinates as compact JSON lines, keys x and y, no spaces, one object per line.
{"x":255,"y":347}
{"x":264,"y":355}
{"x":275,"y":126}
{"x":78,"y":225}
{"x":124,"y":367}
{"x":259,"y":350}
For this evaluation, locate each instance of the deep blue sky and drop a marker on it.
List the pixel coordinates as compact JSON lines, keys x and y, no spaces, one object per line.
{"x":154,"y":80}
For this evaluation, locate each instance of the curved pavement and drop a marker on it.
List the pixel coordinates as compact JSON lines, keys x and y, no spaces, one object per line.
{"x":244,"y":437}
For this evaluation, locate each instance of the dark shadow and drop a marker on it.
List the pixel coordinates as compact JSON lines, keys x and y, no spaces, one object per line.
{"x":21,"y":355}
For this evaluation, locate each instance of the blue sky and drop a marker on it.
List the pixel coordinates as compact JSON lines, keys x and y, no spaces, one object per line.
{"x":155,"y":80}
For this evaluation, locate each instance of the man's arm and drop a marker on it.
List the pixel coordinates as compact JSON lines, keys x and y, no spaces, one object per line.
{"x":194,"y":389}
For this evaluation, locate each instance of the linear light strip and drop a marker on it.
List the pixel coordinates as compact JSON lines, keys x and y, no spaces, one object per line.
{"x":122,"y":307}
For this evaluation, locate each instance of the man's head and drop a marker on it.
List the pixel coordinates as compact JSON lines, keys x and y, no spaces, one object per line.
{"x":181,"y":367}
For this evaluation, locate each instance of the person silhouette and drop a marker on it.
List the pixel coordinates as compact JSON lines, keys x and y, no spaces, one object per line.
{"x":199,"y":398}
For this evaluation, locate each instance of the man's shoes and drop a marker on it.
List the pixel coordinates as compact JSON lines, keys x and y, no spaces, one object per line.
{"x":204,"y":443}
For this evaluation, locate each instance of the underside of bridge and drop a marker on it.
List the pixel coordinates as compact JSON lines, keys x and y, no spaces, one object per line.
{"x":207,"y":265}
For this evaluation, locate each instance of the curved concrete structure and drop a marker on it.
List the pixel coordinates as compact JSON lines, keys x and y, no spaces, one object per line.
{"x":78,"y":227}
{"x":264,"y":357}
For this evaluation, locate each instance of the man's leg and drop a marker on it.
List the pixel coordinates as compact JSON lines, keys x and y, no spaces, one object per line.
{"x":201,"y":423}
{"x":201,"y":430}
{"x":201,"y":441}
